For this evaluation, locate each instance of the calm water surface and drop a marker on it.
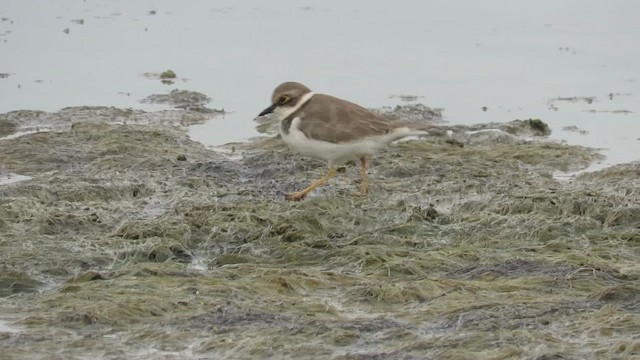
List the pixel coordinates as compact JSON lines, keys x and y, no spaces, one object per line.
{"x":512,"y":57}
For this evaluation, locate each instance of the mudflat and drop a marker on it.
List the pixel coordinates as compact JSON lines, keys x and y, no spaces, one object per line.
{"x":130,"y":240}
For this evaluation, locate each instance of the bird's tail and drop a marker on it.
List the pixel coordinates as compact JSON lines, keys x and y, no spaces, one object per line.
{"x":442,"y":132}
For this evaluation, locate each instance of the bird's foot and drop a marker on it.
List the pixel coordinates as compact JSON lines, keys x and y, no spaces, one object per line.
{"x":364,"y":188}
{"x":295,"y":196}
{"x":360,"y":194}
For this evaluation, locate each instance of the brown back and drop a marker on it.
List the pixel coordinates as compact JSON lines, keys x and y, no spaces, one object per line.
{"x":335,"y":120}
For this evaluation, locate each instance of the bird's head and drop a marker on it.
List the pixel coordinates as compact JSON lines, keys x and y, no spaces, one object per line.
{"x":285,"y":99}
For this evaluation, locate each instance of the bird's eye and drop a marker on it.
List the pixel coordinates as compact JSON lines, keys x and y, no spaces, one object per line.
{"x":283,"y":99}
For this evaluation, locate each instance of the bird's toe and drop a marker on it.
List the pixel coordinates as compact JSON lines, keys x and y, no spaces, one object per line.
{"x":295,"y":196}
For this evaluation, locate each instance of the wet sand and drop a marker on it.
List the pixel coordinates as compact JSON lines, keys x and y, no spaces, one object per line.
{"x":130,"y":240}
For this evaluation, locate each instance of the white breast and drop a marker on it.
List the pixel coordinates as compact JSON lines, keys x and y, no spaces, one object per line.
{"x":325,"y":150}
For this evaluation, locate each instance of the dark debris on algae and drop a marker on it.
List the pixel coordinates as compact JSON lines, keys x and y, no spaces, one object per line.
{"x":132,"y":241}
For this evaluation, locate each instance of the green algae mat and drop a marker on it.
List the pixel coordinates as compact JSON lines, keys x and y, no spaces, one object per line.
{"x":130,"y":241}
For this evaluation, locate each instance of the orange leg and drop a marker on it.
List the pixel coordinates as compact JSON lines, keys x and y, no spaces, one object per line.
{"x":299,"y":195}
{"x":364,"y":182}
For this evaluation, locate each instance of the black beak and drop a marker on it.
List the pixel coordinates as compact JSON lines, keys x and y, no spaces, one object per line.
{"x":268,"y":110}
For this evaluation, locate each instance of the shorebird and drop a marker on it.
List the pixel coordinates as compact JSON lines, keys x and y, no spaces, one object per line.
{"x":332,"y":129}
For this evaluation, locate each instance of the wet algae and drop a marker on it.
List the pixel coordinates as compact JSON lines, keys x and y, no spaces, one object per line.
{"x":130,"y":241}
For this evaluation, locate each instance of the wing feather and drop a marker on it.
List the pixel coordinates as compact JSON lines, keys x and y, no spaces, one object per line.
{"x":335,"y":120}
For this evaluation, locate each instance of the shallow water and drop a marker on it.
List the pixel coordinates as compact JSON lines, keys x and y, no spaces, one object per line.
{"x":512,"y":58}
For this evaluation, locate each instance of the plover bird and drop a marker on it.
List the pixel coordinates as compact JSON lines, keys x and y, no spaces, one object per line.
{"x":328,"y":128}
